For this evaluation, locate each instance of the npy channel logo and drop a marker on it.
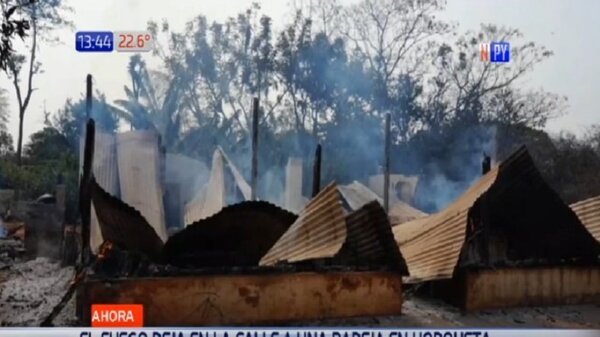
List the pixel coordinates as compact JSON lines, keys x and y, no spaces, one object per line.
{"x":495,"y":52}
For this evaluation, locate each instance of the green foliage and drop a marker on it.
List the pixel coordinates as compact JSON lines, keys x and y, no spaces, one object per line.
{"x":70,"y":120}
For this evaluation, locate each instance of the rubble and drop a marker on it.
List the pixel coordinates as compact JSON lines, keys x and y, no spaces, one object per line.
{"x":29,"y":290}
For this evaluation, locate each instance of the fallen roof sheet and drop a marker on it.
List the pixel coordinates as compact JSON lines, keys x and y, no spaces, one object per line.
{"x":201,"y":207}
{"x":123,"y":225}
{"x":402,"y":212}
{"x":509,"y":216}
{"x":139,"y":161}
{"x":588,"y":211}
{"x":370,"y":240}
{"x":319,"y":232}
{"x":106,"y":174}
{"x":238,"y":235}
{"x":362,"y":238}
{"x":357,"y":195}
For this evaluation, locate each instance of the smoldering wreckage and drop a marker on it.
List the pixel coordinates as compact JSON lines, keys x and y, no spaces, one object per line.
{"x":349,"y":251}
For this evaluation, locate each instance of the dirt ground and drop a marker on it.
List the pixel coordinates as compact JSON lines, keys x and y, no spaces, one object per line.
{"x":30,"y":289}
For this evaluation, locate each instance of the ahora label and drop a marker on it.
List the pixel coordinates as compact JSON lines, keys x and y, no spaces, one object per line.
{"x":117,"y":315}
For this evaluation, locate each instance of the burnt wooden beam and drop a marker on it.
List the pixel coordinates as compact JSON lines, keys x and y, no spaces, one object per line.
{"x":88,"y":97}
{"x":85,"y":200}
{"x":317,"y":172}
{"x":386,"y":165}
{"x":254,"y":174}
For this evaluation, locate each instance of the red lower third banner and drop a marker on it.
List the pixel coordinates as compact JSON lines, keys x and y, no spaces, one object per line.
{"x":117,"y":315}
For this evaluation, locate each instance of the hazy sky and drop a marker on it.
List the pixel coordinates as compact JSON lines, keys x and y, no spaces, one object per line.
{"x":569,"y":28}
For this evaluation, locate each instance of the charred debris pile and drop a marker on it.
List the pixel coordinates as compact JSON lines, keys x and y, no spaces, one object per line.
{"x":249,"y":236}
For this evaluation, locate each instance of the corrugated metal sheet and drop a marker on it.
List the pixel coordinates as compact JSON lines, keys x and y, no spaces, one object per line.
{"x":319,"y":232}
{"x":139,"y":160}
{"x":588,"y":212}
{"x":123,"y":225}
{"x":431,"y":245}
{"x":238,"y":177}
{"x":294,"y":201}
{"x":509,"y":216}
{"x":370,"y":241}
{"x":202,"y":207}
{"x":238,"y":235}
{"x":357,"y":195}
{"x":107,"y":175}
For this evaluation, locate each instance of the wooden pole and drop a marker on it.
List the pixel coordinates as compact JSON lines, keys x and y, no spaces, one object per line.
{"x":386,"y":168}
{"x":317,"y":172}
{"x":85,"y":198}
{"x":254,"y":177}
{"x":88,"y":97}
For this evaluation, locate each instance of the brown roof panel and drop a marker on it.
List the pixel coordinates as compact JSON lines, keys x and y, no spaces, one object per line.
{"x":319,"y":232}
{"x":588,"y":211}
{"x":510,"y":216}
{"x":370,"y":241}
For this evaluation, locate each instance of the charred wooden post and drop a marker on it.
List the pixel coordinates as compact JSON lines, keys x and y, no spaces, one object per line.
{"x":254,"y":181}
{"x":317,"y":172}
{"x":88,"y":97}
{"x":486,"y":164}
{"x":85,"y":199}
{"x":386,"y":167}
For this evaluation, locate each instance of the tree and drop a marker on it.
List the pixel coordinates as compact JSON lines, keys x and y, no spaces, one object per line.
{"x":70,"y":120}
{"x":153,"y":102}
{"x":6,"y":142}
{"x":44,"y":16}
{"x":11,"y":27}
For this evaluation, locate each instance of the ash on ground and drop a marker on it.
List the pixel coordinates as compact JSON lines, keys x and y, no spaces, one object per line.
{"x":29,"y":290}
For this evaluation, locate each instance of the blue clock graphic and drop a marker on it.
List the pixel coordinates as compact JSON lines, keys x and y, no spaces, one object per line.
{"x":94,"y":41}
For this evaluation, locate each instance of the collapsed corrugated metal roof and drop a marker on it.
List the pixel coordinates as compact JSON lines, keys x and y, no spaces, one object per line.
{"x":370,"y":241}
{"x":319,"y":232}
{"x":106,"y":173}
{"x":588,"y":211}
{"x":139,"y":162}
{"x":357,"y":195}
{"x":323,"y":233}
{"x":402,"y":212}
{"x":238,"y":235}
{"x":123,"y":225}
{"x":510,"y":216}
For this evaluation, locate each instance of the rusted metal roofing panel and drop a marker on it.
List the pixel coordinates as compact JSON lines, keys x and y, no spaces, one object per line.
{"x":431,"y":245}
{"x":319,"y":232}
{"x":370,"y":241}
{"x":238,"y":235}
{"x":107,"y":175}
{"x":202,"y":207}
{"x":123,"y":225}
{"x":139,"y":161}
{"x":588,"y":212}
{"x":509,"y":217}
